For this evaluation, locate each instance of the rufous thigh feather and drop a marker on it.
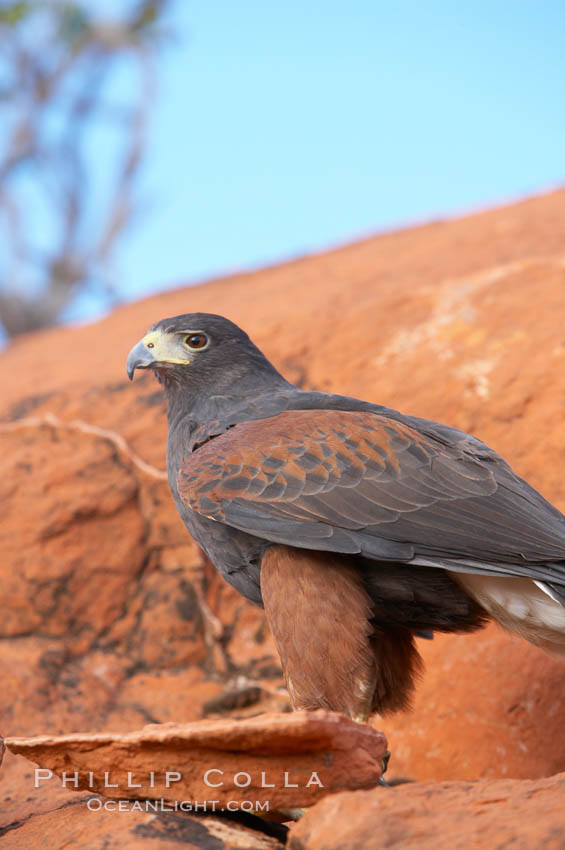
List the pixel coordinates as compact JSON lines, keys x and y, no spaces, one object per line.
{"x":331,"y":653}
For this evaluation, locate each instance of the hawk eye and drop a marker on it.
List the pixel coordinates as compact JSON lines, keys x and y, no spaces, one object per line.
{"x":196,"y":341}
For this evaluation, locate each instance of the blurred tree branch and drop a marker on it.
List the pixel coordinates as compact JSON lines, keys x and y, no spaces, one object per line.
{"x":59,"y":62}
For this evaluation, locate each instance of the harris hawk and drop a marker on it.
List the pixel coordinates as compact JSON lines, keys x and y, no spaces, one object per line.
{"x":355,"y":526}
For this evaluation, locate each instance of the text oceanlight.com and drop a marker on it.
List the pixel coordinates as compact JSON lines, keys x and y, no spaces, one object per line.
{"x":97,"y":804}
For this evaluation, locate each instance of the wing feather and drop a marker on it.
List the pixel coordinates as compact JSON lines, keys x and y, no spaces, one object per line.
{"x":349,"y":481}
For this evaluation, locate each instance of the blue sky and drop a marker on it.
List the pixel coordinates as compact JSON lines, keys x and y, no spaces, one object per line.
{"x":285,"y":128}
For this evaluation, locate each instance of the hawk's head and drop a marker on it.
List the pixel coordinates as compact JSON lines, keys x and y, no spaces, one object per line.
{"x":200,"y":350}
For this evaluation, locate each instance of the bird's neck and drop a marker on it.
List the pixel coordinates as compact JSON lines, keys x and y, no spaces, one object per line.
{"x":222,"y":406}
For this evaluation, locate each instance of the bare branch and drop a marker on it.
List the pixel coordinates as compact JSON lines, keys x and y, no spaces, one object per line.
{"x":55,"y":93}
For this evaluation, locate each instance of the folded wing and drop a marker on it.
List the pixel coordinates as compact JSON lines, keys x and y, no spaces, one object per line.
{"x":360,"y":482}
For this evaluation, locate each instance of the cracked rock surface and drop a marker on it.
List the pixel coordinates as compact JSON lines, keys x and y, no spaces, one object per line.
{"x":520,"y":814}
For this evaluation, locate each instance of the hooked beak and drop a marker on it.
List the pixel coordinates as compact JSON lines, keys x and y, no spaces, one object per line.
{"x":139,"y":358}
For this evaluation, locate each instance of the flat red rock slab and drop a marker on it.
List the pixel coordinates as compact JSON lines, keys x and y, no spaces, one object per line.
{"x":284,"y":760}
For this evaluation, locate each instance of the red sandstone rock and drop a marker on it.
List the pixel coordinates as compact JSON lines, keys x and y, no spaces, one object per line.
{"x":492,"y":705}
{"x":110,"y":620}
{"x":73,"y":825}
{"x":460,"y":816}
{"x":286,"y":760}
{"x":21,"y":800}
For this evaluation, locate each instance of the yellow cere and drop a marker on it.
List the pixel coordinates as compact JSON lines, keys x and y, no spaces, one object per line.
{"x":164,"y":347}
